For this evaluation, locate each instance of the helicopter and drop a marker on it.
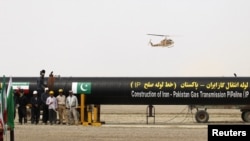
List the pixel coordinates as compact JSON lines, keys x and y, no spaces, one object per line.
{"x":164,"y":43}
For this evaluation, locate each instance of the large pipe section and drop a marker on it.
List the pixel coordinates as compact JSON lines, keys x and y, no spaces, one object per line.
{"x":149,"y":90}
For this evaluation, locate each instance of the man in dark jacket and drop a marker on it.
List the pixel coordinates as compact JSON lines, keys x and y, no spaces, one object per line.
{"x":16,"y":96}
{"x":35,"y":108}
{"x":45,"y":109}
{"x":41,"y":85}
{"x":21,"y":104}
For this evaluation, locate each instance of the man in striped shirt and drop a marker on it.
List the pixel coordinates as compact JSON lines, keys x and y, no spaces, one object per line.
{"x":71,"y":105}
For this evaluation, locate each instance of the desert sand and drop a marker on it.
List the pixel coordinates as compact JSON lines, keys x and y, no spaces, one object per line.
{"x":129,"y":122}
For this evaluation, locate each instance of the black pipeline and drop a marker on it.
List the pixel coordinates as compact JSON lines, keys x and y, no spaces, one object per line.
{"x":148,"y":90}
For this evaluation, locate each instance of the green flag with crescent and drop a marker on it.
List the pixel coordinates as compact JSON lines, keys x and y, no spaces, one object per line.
{"x":81,"y":87}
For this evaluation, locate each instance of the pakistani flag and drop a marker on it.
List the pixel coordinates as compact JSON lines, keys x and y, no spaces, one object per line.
{"x":10,"y":105}
{"x":3,"y":108}
{"x":81,"y":87}
{"x":4,"y":105}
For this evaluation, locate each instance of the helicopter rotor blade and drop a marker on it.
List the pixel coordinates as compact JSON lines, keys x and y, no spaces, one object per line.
{"x":156,"y":35}
{"x":159,"y":35}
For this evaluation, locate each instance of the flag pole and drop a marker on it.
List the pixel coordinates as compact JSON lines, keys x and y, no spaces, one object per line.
{"x":12,"y":135}
{"x":1,"y":134}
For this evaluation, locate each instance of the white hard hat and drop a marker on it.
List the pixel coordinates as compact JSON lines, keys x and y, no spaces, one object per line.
{"x":46,"y":89}
{"x":34,"y":92}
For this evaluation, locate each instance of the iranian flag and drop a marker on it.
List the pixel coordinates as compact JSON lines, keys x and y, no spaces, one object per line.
{"x":10,"y":105}
{"x":21,"y":85}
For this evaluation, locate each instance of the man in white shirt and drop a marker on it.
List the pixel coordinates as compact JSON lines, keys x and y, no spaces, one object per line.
{"x":71,"y":106}
{"x":52,"y":105}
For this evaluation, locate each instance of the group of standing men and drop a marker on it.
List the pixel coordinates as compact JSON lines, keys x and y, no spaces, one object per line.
{"x":44,"y":99}
{"x":66,"y":107}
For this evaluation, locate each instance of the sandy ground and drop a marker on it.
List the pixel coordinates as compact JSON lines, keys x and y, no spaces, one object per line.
{"x":129,"y":122}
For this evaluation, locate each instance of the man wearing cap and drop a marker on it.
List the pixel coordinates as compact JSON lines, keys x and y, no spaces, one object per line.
{"x":71,"y":105}
{"x":52,"y":106}
{"x":61,"y":99}
{"x":35,"y":108}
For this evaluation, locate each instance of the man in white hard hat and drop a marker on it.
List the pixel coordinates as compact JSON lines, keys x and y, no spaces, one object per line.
{"x":35,"y":108}
{"x":71,"y":105}
{"x":44,"y":106}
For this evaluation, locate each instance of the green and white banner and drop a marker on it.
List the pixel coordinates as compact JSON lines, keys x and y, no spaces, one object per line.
{"x":81,"y":87}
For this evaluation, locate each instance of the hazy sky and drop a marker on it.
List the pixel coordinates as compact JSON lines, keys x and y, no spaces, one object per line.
{"x":109,"y":37}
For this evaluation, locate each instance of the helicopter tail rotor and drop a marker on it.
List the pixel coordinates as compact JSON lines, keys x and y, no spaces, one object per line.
{"x":150,"y":42}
